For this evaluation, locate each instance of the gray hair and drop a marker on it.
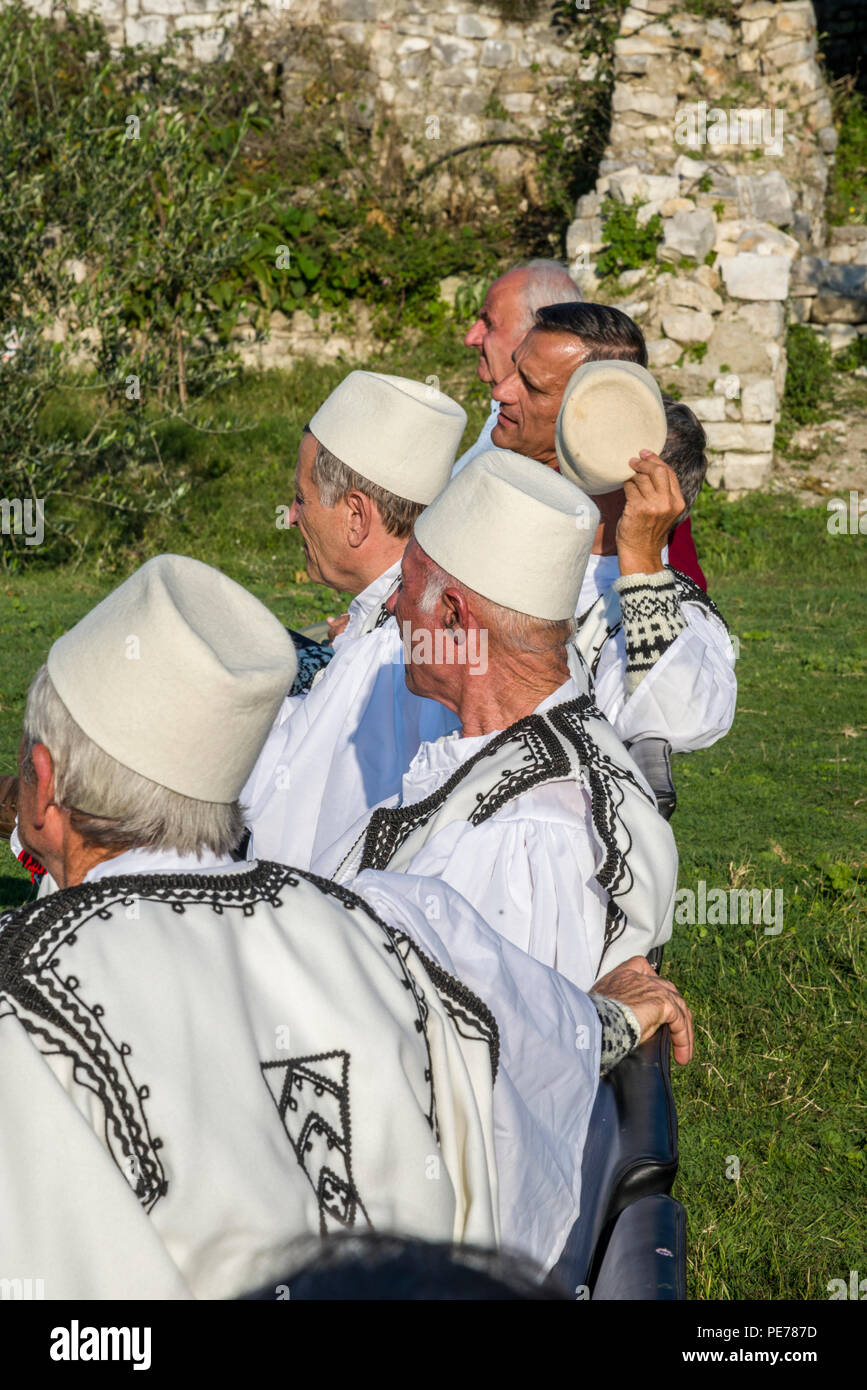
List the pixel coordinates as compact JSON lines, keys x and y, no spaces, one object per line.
{"x":513,"y":632}
{"x":684,"y":450}
{"x":335,"y":479}
{"x":125,"y":810}
{"x":548,"y":282}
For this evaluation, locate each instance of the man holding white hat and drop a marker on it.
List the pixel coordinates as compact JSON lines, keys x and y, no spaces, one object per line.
{"x":535,"y":813}
{"x":579,"y":399}
{"x":377,"y":452}
{"x":658,"y":647}
{"x":202,"y":1059}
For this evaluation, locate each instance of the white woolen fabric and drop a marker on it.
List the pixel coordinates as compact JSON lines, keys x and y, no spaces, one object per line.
{"x":340,"y":751}
{"x":514,"y":531}
{"x":549,"y":1055}
{"x":529,"y":869}
{"x":482,"y":444}
{"x":609,"y":412}
{"x":201,"y":1000}
{"x":400,"y":434}
{"x":178,"y":674}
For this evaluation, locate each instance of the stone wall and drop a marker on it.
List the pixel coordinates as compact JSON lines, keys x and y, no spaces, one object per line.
{"x":742,"y":208}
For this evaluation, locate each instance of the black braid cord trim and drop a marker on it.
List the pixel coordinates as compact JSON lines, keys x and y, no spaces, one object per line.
{"x":382,"y":617}
{"x":690,"y":592}
{"x":30,"y":933}
{"x":543,"y":760}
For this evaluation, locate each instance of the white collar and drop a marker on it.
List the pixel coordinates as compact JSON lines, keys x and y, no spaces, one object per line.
{"x":370,"y":598}
{"x":435,"y":761}
{"x":151,"y":861}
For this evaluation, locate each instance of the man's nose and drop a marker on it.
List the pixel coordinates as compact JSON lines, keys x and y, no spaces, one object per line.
{"x":293,"y":514}
{"x":505,"y":390}
{"x":476,"y":335}
{"x":391,"y":601}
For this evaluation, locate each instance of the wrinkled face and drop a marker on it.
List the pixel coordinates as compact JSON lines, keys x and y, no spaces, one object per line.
{"x":322,"y":529}
{"x":422,"y":677}
{"x":500,"y":326}
{"x":531,"y":395}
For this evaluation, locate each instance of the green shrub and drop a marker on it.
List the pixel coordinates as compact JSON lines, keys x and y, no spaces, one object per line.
{"x":847,"y":188}
{"x":628,"y":245}
{"x":809,"y":378}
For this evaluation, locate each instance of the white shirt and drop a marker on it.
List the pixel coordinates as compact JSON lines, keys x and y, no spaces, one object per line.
{"x":368,"y":601}
{"x":333,"y":756}
{"x":529,"y":870}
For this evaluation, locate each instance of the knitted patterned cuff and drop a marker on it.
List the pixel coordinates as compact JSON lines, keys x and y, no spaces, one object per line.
{"x":621,"y":1031}
{"x":652,"y":620}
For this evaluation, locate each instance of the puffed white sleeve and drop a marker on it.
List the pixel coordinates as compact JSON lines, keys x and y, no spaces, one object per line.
{"x":688,"y":695}
{"x":549,"y":1034}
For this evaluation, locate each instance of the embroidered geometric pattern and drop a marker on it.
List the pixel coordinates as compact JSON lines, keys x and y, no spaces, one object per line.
{"x":620,"y":1031}
{"x":540,"y":757}
{"x":312,"y":1099}
{"x":52,"y":1010}
{"x":690,"y":592}
{"x":652,"y":621}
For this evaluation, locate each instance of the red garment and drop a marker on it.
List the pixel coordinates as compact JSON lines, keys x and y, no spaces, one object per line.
{"x":682,"y":554}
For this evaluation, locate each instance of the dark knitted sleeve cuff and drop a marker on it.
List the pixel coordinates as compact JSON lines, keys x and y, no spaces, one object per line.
{"x":621,"y":1031}
{"x":652,"y":620}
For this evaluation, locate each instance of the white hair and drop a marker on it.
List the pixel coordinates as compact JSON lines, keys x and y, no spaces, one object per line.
{"x":548,"y":282}
{"x":511,"y":631}
{"x":110,"y":806}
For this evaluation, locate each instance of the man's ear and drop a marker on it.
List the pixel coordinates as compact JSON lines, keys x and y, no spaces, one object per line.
{"x":358,"y":519}
{"x":456,"y":613}
{"x":44,"y":769}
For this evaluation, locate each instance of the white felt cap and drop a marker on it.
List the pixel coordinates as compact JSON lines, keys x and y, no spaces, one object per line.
{"x":610,"y":411}
{"x":178,"y":674}
{"x":513,"y":530}
{"x":401,"y":434}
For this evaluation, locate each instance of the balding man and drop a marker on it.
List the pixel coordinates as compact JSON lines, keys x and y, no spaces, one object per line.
{"x":506,"y":315}
{"x":535,"y":812}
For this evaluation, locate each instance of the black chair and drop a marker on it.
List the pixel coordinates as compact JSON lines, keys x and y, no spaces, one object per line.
{"x":630,"y":1154}
{"x":645,"y":1255}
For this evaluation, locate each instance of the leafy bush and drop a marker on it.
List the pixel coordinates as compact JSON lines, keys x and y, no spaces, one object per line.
{"x":847,"y":189}
{"x":809,"y":378}
{"x":629,"y":245}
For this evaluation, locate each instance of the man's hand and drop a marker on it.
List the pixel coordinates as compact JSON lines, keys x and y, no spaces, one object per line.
{"x":652,"y":1000}
{"x":654,"y":502}
{"x":8,"y":805}
{"x":337,"y":625}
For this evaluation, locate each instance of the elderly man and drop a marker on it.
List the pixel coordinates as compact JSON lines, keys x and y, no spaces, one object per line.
{"x":637,"y":519}
{"x":377,"y":451}
{"x":507,"y":315}
{"x":164,"y":1139}
{"x":202,"y":1059}
{"x":535,"y":813}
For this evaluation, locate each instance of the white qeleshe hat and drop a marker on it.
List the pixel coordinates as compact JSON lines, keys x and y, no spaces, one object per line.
{"x":178,"y":675}
{"x":610,"y":410}
{"x":400,"y":434}
{"x":514,"y":531}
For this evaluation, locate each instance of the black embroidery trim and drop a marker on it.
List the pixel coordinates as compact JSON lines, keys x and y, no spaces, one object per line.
{"x":382,"y":618}
{"x":690,"y":592}
{"x":336,"y":1193}
{"x":447,"y":986}
{"x":538,"y":749}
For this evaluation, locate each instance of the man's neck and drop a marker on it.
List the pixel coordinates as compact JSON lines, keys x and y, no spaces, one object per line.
{"x":486,"y":704}
{"x":610,"y":510}
{"x":374,"y":567}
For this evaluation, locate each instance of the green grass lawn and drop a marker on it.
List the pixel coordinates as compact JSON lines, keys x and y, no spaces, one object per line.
{"x":780,"y":803}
